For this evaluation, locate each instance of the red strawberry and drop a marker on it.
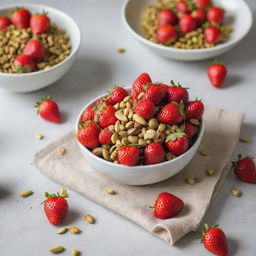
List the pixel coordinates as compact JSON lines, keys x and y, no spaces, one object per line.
{"x":182,"y":7}
{"x":128,"y":155}
{"x":166,"y":34}
{"x":24,"y":64}
{"x":212,"y":35}
{"x":177,"y":93}
{"x":154,"y":153}
{"x":144,"y":108}
{"x":105,"y":115}
{"x":88,"y":114}
{"x":190,"y":130}
{"x":167,"y":206}
{"x":245,"y":169}
{"x":155,"y":93}
{"x":137,"y":86}
{"x":48,"y":109}
{"x":177,"y":143}
{"x":217,"y":73}
{"x":203,"y":3}
{"x":105,"y":136}
{"x":187,"y":23}
{"x":4,"y":22}
{"x":166,"y":17}
{"x":214,"y":240}
{"x":116,"y":95}
{"x":194,"y":110}
{"x":200,"y":15}
{"x":35,"y":50}
{"x":215,"y":15}
{"x":55,"y":208}
{"x":88,"y":135}
{"x":21,"y":18}
{"x":39,"y":23}
{"x":171,"y":113}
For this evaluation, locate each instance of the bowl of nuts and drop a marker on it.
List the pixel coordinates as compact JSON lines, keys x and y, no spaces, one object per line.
{"x":141,"y":135}
{"x":188,"y":30}
{"x":38,"y":45}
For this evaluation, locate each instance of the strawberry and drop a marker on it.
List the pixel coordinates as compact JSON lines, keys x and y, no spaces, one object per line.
{"x":128,"y":155}
{"x":48,"y":109}
{"x":199,"y":15}
{"x":39,"y":23}
{"x":105,"y":115}
{"x":177,"y":142}
{"x":155,"y":93}
{"x":21,"y":18}
{"x":88,"y":114}
{"x":167,"y":206}
{"x":55,"y":208}
{"x":190,"y":130}
{"x":166,"y":17}
{"x":215,"y":15}
{"x":116,"y":95}
{"x":203,"y":3}
{"x":88,"y":135}
{"x":4,"y":22}
{"x":166,"y":34}
{"x":187,"y":23}
{"x":105,"y":136}
{"x":214,"y":240}
{"x":245,"y":169}
{"x":137,"y":86}
{"x":212,"y":34}
{"x":177,"y":93}
{"x":154,"y":153}
{"x":35,"y":50}
{"x":182,"y":7}
{"x":24,"y":64}
{"x":194,"y":110}
{"x":171,"y":113}
{"x":144,"y":108}
{"x":217,"y":73}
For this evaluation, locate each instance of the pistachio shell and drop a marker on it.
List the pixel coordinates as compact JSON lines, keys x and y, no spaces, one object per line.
{"x":90,"y":218}
{"x":98,"y":151}
{"x":74,"y":230}
{"x":139,"y":119}
{"x":120,"y":115}
{"x":57,"y":249}
{"x":26,"y":193}
{"x":62,"y":230}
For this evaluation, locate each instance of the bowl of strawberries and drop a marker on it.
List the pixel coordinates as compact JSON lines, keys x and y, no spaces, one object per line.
{"x":188,"y":30}
{"x":141,"y":135}
{"x":38,"y":46}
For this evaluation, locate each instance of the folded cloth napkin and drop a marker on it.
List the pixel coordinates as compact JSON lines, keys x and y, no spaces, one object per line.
{"x":72,"y":170}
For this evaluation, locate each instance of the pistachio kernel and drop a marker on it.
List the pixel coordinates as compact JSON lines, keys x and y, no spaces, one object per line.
{"x":236,"y":192}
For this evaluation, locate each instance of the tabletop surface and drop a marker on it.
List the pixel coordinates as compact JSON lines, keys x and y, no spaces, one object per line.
{"x":24,"y":229}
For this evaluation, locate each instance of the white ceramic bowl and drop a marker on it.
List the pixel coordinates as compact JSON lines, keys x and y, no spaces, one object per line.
{"x":138,"y":175}
{"x":36,"y":80}
{"x":238,"y":15}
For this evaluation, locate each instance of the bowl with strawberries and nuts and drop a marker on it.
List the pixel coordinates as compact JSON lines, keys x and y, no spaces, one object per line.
{"x":38,"y":44}
{"x":141,"y":135}
{"x":188,"y":29}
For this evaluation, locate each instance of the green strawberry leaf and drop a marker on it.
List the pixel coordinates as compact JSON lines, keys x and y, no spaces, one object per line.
{"x":217,"y":61}
{"x":176,"y":135}
{"x":178,"y":85}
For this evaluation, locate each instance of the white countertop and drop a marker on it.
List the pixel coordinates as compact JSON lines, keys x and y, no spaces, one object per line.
{"x":24,"y":229}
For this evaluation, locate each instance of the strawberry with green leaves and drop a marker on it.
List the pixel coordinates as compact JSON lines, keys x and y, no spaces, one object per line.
{"x":20,"y":18}
{"x":171,"y":113}
{"x":105,"y":136}
{"x":55,"y":208}
{"x":177,"y":93}
{"x":177,"y":142}
{"x":217,"y":73}
{"x":155,"y":92}
{"x":137,"y":87}
{"x":184,"y":7}
{"x":200,"y":15}
{"x":190,"y":130}
{"x":144,"y":108}
{"x":48,"y":109}
{"x":39,"y":23}
{"x":24,"y":64}
{"x":212,"y":34}
{"x":105,"y":115}
{"x":194,"y":109}
{"x":154,"y":153}
{"x":128,"y":155}
{"x":88,"y":114}
{"x":116,"y":95}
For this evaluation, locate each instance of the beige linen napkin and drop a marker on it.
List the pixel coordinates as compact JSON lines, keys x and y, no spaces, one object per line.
{"x":72,"y":170}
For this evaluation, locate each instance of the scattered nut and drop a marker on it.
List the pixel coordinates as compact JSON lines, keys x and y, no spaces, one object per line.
{"x":203,"y":152}
{"x":74,"y":230}
{"x":57,"y":249}
{"x":210,"y":172}
{"x":75,"y":252}
{"x":120,"y":115}
{"x":197,"y":179}
{"x":26,"y":193}
{"x":111,"y":191}
{"x":98,"y":151}
{"x":170,"y":156}
{"x":39,"y":136}
{"x":236,"y":192}
{"x":161,"y":127}
{"x":61,"y":150}
{"x":120,"y":50}
{"x":62,"y":230}
{"x":90,"y":218}
{"x":190,"y":180}
{"x":244,"y":139}
{"x":139,"y":119}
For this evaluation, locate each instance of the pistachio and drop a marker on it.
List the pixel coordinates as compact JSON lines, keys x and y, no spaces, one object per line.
{"x":161,"y":127}
{"x":190,"y":180}
{"x":111,"y":191}
{"x":173,"y":128}
{"x":148,"y":141}
{"x":114,"y":155}
{"x":141,"y":95}
{"x":98,"y":151}
{"x":120,"y":115}
{"x":139,"y":119}
{"x":236,"y":192}
{"x":194,"y":121}
{"x":117,"y":128}
{"x":137,"y":125}
{"x":105,"y":154}
{"x":133,"y":139}
{"x":120,"y":50}
{"x":142,"y":142}
{"x":74,"y":230}
{"x":119,"y":143}
{"x":150,"y":134}
{"x":62,"y":230}
{"x":133,"y":131}
{"x":121,"y":127}
{"x":63,"y":192}
{"x":75,"y":252}
{"x":125,"y":141}
{"x":26,"y":193}
{"x":141,"y":135}
{"x":210,"y":172}
{"x":117,"y":106}
{"x":203,"y":152}
{"x":123,"y":134}
{"x":61,"y":150}
{"x":129,"y":105}
{"x":244,"y":139}
{"x":112,"y":149}
{"x":111,"y":128}
{"x":129,"y":125}
{"x":153,"y":123}
{"x":106,"y":146}
{"x":57,"y":249}
{"x":197,"y":179}
{"x":122,"y":104}
{"x":89,"y":218}
{"x":130,"y":113}
{"x":170,"y":156}
{"x":39,"y":136}
{"x":114,"y":138}
{"x":126,"y":112}
{"x":127,"y":98}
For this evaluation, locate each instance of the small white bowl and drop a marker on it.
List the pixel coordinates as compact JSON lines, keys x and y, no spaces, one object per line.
{"x":238,"y":15}
{"x":33,"y":81}
{"x":138,"y":175}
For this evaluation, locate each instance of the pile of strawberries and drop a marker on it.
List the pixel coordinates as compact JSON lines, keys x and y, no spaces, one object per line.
{"x":155,"y":123}
{"x":188,"y":16}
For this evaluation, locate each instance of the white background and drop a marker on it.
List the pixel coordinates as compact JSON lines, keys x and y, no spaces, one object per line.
{"x":24,"y":229}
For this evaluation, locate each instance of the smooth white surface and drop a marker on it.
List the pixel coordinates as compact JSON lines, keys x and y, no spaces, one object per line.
{"x":36,"y":80}
{"x":238,"y":15}
{"x":25,"y":231}
{"x":138,"y":175}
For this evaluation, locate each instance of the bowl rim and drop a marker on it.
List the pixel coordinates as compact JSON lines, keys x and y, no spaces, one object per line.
{"x":73,"y":51}
{"x":190,"y":51}
{"x":139,"y":167}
